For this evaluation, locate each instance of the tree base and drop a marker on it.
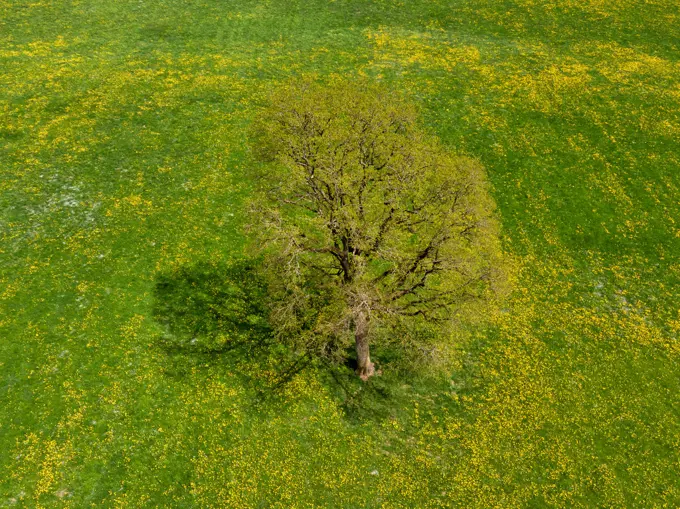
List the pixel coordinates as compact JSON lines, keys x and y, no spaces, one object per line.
{"x":365,"y":372}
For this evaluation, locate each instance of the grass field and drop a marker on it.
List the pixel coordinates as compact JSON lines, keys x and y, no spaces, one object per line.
{"x":123,"y":162}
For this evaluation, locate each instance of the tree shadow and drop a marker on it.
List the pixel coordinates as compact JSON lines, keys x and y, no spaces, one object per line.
{"x":210,"y":310}
{"x":216,"y":315}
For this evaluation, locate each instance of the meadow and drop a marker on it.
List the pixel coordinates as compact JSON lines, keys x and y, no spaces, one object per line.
{"x":123,"y":169}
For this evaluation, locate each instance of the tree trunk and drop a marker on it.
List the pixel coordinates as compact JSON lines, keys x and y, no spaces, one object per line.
{"x":365,"y":368}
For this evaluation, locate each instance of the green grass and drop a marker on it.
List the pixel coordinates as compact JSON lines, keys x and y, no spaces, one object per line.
{"x":123,"y":161}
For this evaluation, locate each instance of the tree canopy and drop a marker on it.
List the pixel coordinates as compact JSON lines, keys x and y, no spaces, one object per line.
{"x":373,"y":234}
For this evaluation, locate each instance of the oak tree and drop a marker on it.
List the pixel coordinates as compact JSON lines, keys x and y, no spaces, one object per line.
{"x":372,"y":233}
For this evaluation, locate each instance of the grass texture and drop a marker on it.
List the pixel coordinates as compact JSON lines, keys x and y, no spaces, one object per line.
{"x":123,"y":167}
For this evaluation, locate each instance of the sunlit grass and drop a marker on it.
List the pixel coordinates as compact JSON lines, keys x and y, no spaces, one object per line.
{"x":123,"y":160}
